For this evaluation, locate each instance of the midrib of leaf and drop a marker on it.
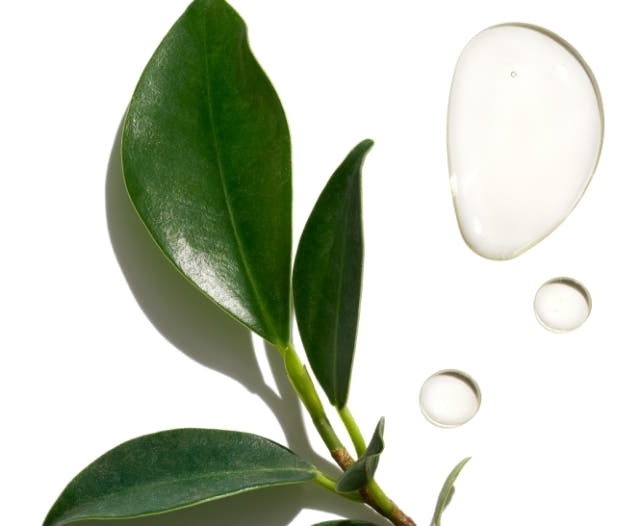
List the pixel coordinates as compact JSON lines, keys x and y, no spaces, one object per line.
{"x":216,"y":474}
{"x":339,"y":289}
{"x":244,"y":261}
{"x":144,"y":487}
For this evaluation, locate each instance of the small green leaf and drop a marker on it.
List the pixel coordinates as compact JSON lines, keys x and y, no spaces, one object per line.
{"x":327,"y":277}
{"x":344,"y":523}
{"x":207,"y":163}
{"x":361,"y":472}
{"x":174,"y":469}
{"x":447,"y":491}
{"x":449,"y":498}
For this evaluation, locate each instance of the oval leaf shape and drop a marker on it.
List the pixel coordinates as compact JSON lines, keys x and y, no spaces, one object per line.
{"x":207,"y":163}
{"x":446,"y":492}
{"x":362,"y":471}
{"x":327,"y":277}
{"x":174,"y":469}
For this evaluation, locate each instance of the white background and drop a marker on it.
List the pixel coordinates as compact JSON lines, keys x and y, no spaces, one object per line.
{"x":102,"y":341}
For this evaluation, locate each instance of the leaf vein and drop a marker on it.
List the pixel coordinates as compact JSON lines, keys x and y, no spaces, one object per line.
{"x":220,"y":168}
{"x":338,"y":306}
{"x":221,"y":473}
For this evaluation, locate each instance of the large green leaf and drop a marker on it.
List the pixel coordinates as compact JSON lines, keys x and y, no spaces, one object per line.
{"x":361,"y":472}
{"x":207,"y":163}
{"x":327,"y":277}
{"x":447,"y":491}
{"x":174,"y":469}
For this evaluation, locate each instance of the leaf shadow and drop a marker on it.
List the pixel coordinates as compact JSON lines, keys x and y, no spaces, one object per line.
{"x":203,"y":332}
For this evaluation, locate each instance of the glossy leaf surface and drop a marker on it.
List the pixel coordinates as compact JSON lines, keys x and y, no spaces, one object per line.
{"x":174,"y":469}
{"x":327,"y":277}
{"x":207,"y":163}
{"x":446,"y":492}
{"x":362,"y":471}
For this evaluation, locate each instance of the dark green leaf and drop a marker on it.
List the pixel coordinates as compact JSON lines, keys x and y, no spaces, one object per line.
{"x":344,"y":523}
{"x":174,"y":469}
{"x":207,"y":164}
{"x":361,"y":472}
{"x":447,"y":491}
{"x":327,"y":277}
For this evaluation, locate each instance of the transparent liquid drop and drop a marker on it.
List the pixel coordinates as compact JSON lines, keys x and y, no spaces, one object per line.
{"x":449,"y":398}
{"x":525,"y":130}
{"x":562,"y":304}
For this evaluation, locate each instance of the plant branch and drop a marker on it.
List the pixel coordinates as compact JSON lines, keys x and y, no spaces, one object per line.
{"x":388,"y":508}
{"x":305,"y":388}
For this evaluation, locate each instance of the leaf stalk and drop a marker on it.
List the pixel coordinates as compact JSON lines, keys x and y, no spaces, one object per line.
{"x":329,"y":483}
{"x":353,"y":430}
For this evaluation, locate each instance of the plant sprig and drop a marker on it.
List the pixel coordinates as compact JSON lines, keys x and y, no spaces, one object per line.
{"x":207,"y":164}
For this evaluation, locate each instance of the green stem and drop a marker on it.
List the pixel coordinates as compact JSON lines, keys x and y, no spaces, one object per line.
{"x":305,"y":388}
{"x":353,"y":430}
{"x":382,"y":500}
{"x":329,"y":483}
{"x":326,"y":481}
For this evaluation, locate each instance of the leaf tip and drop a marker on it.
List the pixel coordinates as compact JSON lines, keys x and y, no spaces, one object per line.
{"x":381,"y":425}
{"x":447,"y":491}
{"x":379,"y":433}
{"x":364,"y":146}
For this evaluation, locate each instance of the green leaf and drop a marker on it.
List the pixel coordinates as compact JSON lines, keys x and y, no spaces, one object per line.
{"x":207,"y":163}
{"x":327,"y":277}
{"x":344,"y":523}
{"x":362,"y":471}
{"x":447,"y":491}
{"x":174,"y":469}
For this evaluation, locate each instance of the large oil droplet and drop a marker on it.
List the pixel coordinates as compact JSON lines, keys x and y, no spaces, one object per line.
{"x":562,"y":304}
{"x":449,"y":398}
{"x":525,"y":130}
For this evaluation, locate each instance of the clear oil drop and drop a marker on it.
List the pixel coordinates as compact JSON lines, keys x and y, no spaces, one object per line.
{"x":525,"y":130}
{"x":562,"y":304}
{"x":449,"y":398}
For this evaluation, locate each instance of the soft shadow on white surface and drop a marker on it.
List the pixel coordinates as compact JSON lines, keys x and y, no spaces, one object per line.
{"x":202,"y":331}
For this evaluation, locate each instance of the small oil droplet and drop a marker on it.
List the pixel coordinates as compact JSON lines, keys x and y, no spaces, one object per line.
{"x":513,"y":74}
{"x":449,"y":398}
{"x":562,"y":304}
